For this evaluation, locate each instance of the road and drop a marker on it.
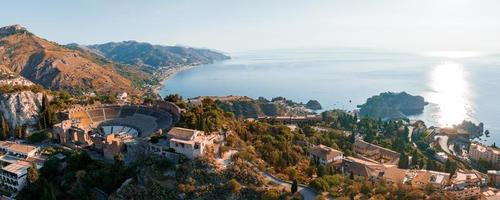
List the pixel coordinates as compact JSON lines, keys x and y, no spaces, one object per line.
{"x":443,"y":142}
{"x":306,"y":192}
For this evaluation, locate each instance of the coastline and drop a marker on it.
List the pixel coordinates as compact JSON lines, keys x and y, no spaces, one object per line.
{"x":167,"y":73}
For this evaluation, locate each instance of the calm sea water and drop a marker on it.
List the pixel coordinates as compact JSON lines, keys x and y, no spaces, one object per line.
{"x":458,"y":86}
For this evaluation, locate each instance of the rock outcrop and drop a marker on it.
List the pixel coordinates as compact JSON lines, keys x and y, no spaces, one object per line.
{"x":392,"y":106}
{"x":21,"y":108}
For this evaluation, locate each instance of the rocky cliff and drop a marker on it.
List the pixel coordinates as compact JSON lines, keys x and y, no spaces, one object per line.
{"x":21,"y":108}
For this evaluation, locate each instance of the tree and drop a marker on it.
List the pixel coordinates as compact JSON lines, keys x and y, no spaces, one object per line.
{"x":403,"y":161}
{"x":233,"y":185}
{"x":33,"y":174}
{"x":450,"y":166}
{"x":295,"y":186}
{"x":18,"y":132}
{"x":4,"y":127}
{"x":48,"y":191}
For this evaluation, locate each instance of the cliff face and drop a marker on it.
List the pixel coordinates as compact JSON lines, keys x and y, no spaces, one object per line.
{"x":21,"y":108}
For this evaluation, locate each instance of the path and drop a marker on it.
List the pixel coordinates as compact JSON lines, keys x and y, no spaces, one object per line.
{"x":443,"y":142}
{"x":305,"y":191}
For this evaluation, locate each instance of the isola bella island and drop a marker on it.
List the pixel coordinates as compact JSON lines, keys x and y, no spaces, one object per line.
{"x":249,"y":100}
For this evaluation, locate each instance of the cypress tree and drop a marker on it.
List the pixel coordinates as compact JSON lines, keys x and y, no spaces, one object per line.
{"x":295,"y":186}
{"x":5,"y":128}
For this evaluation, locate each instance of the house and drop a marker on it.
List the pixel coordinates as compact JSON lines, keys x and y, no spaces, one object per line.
{"x":191,"y":143}
{"x":323,"y":155}
{"x":376,"y":153}
{"x":360,"y":167}
{"x":421,"y":178}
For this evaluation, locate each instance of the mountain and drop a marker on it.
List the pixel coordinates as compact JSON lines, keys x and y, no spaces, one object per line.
{"x":57,"y":67}
{"x":145,"y":54}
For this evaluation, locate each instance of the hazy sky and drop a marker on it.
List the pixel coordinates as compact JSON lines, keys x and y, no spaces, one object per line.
{"x":234,"y":25}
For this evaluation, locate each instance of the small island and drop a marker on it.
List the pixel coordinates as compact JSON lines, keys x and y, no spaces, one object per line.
{"x":392,"y":106}
{"x":313,"y":105}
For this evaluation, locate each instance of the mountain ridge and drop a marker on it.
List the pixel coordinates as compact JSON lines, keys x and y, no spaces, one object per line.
{"x":112,"y":67}
{"x":152,"y":55}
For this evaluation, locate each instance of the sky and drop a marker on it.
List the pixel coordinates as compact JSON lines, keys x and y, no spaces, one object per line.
{"x":240,"y":25}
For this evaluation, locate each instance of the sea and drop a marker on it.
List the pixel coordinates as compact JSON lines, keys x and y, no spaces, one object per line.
{"x":458,"y":85}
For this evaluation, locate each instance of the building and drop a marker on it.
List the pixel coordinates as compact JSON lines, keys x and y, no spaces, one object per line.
{"x":466,"y":193}
{"x":467,"y":184}
{"x":360,"y":167}
{"x":72,"y":132}
{"x":113,"y":144}
{"x":494,"y":178}
{"x":191,"y":143}
{"x":421,"y":178}
{"x":376,"y":153}
{"x":478,"y":151}
{"x":15,"y":161}
{"x":304,"y":119}
{"x":323,"y":155}
{"x":469,"y":178}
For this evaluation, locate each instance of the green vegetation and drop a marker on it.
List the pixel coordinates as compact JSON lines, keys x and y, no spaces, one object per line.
{"x":392,"y":106}
{"x":343,"y":187}
{"x":207,"y":117}
{"x":75,"y":178}
{"x":6,"y":89}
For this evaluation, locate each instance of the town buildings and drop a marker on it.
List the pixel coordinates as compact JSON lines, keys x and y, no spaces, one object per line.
{"x":478,"y":151}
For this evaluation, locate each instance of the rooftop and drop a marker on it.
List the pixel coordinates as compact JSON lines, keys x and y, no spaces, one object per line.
{"x":182,"y":133}
{"x":324,"y":152}
{"x":21,"y":148}
{"x":18,"y":168}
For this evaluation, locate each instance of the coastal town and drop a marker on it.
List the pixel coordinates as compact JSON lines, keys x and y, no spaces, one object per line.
{"x":404,"y":153}
{"x":300,"y":100}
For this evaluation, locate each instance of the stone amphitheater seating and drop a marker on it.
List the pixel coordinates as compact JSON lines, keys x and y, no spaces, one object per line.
{"x":81,"y":116}
{"x":98,"y":112}
{"x":135,"y":120}
{"x":112,"y":112}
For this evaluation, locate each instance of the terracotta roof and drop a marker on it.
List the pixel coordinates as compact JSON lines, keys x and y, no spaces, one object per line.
{"x":12,"y":146}
{"x":325,"y":152}
{"x":362,"y":167}
{"x":425,"y":177}
{"x":370,"y":146}
{"x":395,"y":174}
{"x":19,"y":167}
{"x":182,"y":133}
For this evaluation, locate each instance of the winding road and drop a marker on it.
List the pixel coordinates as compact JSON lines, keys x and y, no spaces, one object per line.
{"x":306,"y":192}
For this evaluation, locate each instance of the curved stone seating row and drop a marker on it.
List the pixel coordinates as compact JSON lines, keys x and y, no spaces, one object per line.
{"x":143,"y":119}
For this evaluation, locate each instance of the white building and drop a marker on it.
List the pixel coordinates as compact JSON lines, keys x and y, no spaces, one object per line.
{"x":15,"y":161}
{"x":189,"y":142}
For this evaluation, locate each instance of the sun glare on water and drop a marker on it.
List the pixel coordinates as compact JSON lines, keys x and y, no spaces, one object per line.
{"x":449,"y":91}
